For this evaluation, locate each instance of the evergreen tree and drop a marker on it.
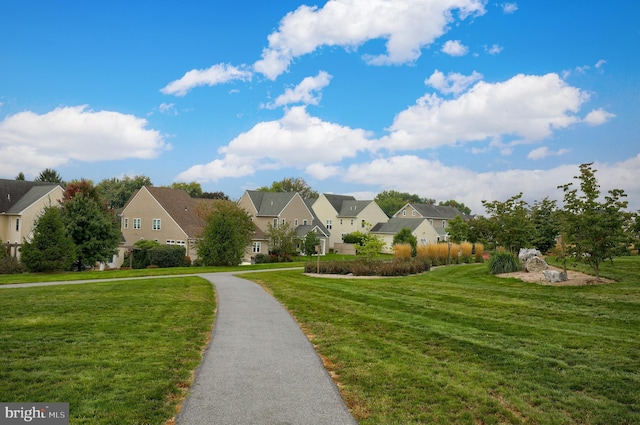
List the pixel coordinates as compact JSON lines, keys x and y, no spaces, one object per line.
{"x":309,"y":243}
{"x":50,"y":248}
{"x":49,"y":175}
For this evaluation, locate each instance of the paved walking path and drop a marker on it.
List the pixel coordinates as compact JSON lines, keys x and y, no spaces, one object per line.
{"x":259,"y":368}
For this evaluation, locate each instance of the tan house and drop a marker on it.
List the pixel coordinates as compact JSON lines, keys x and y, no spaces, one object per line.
{"x":21,"y":202}
{"x":277,"y":208}
{"x":343,"y":214}
{"x":438,"y":217}
{"x":162,"y":214}
{"x":420,"y":228}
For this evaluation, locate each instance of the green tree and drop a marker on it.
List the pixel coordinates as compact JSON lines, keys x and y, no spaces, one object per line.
{"x":282,"y":240}
{"x":514,"y":227}
{"x":458,"y":205}
{"x":370,"y":246}
{"x":458,"y":229}
{"x":50,"y":249}
{"x":390,"y":201}
{"x":116,"y":192}
{"x":483,"y":230}
{"x":193,"y":189}
{"x":49,"y":175}
{"x":227,"y":233}
{"x":309,"y":243}
{"x":544,"y":216}
{"x":20,"y":176}
{"x":215,"y":195}
{"x":94,"y":230}
{"x":290,"y":184}
{"x":595,"y":230}
{"x":405,"y":236}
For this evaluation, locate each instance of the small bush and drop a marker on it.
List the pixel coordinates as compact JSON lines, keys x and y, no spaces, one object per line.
{"x":10,"y":265}
{"x":402,"y":251}
{"x":466,"y":252}
{"x":371,"y":268}
{"x":504,"y":262}
{"x":479,"y":252}
{"x":167,"y":256}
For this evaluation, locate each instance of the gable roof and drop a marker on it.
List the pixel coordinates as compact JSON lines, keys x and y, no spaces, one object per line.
{"x":351,"y":208}
{"x":16,"y":195}
{"x":336,"y":201}
{"x":436,"y":211}
{"x":395,"y":224}
{"x":270,"y":204}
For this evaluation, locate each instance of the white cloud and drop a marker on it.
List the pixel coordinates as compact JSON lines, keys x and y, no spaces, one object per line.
{"x":168,"y":108}
{"x":598,"y":117}
{"x":30,"y":142}
{"x":528,"y":107}
{"x":493,"y":49}
{"x":509,"y":8}
{"x":455,"y":48}
{"x":600,"y":63}
{"x":544,"y":152}
{"x":217,"y":74}
{"x":296,"y":140}
{"x":307,"y":92}
{"x":452,"y":83}
{"x":322,"y":171}
{"x":407,"y":25}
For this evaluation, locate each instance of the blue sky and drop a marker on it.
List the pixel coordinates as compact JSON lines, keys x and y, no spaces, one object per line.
{"x":450,"y":99}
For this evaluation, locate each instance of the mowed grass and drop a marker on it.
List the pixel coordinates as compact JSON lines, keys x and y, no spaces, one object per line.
{"x":459,"y":346}
{"x":117,"y":352}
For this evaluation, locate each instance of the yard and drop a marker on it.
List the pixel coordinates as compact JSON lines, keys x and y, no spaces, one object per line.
{"x":459,"y":346}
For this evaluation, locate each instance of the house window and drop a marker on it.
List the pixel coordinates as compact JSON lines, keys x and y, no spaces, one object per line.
{"x":352,"y":222}
{"x":126,"y":223}
{"x":137,"y":223}
{"x":444,"y":223}
{"x":413,"y":213}
{"x":275,"y":222}
{"x":431,"y":222}
{"x":329,"y":225}
{"x":256,"y":247}
{"x":362,"y":223}
{"x":156,"y":224}
{"x":17,"y":224}
{"x":340,"y":222}
{"x":181,"y":243}
{"x":283,"y":221}
{"x":404,"y":213}
{"x":295,"y":222}
{"x":304,"y":222}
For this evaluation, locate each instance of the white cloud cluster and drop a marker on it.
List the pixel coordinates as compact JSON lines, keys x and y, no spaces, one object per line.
{"x":494,"y":49}
{"x":454,"y":48}
{"x":307,"y":92}
{"x":30,"y":142}
{"x":544,"y":152}
{"x":217,"y":74}
{"x":509,"y":8}
{"x":598,"y":117}
{"x":528,"y":107}
{"x":452,"y":83}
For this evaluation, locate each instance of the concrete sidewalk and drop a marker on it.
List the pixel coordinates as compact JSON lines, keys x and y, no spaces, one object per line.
{"x":259,"y":367}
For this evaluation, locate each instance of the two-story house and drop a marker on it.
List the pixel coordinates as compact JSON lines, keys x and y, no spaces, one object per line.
{"x":21,"y":203}
{"x":277,"y":208}
{"x":163,"y":214}
{"x":343,"y":214}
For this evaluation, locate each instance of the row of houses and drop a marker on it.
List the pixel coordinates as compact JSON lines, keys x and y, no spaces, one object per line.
{"x":169,"y":216}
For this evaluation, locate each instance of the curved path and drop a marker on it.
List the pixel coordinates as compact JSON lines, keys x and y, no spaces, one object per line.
{"x":259,"y":368}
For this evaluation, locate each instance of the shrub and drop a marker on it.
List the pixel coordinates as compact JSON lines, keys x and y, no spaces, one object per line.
{"x":466,"y":252}
{"x":504,"y":262}
{"x":402,"y":251}
{"x":479,"y":251}
{"x":371,"y":268}
{"x":167,"y":256}
{"x":10,"y":265}
{"x":354,"y":238}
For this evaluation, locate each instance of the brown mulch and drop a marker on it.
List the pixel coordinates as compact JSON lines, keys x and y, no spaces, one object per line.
{"x":574,"y":278}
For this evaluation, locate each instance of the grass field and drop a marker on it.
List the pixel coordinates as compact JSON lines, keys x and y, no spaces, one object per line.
{"x":459,"y":346}
{"x":117,"y":352}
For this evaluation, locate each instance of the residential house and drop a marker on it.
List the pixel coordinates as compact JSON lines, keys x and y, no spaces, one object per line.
{"x":343,"y":214}
{"x":163,"y":214}
{"x":21,"y":203}
{"x":277,"y":208}
{"x":424,"y":232}
{"x":437,"y":216}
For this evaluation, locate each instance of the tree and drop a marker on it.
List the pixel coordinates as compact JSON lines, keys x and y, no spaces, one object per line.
{"x":50,"y":249}
{"x":215,"y":195}
{"x":49,"y":175}
{"x":282,"y":240}
{"x":20,"y":176}
{"x":309,"y":243}
{"x":75,"y":187}
{"x":116,"y":192}
{"x":544,"y":216}
{"x":514,"y":227}
{"x":370,"y":246}
{"x":458,"y":229}
{"x":458,"y":205}
{"x":595,"y":230}
{"x":227,"y":233}
{"x":290,"y":184}
{"x":405,"y":236}
{"x":193,"y":189}
{"x":94,"y":230}
{"x":390,"y":201}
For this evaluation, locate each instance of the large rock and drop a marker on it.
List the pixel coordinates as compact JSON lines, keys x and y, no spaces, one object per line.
{"x":554,"y":276}
{"x":526,"y":253}
{"x":536,"y":264}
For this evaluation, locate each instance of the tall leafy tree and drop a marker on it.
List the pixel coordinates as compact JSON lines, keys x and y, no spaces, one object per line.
{"x":50,"y":248}
{"x":49,"y":175}
{"x":290,"y":184}
{"x":94,"y":229}
{"x":227,"y":233}
{"x":116,"y":192}
{"x":514,"y":227}
{"x":483,"y":230}
{"x":595,"y":230}
{"x":390,"y":201}
{"x":193,"y":189}
{"x":215,"y":195}
{"x":544,"y":215}
{"x":282,"y":239}
{"x":309,"y":243}
{"x":458,"y":229}
{"x":458,"y":205}
{"x":20,"y":176}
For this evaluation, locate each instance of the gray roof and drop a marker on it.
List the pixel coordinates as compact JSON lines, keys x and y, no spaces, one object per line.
{"x":270,"y":204}
{"x":336,"y":201}
{"x":394,"y":225}
{"x":436,"y":211}
{"x":16,"y":195}
{"x":351,"y":208}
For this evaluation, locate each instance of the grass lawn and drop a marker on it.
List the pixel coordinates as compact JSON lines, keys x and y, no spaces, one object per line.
{"x":117,"y":352}
{"x":459,"y":346}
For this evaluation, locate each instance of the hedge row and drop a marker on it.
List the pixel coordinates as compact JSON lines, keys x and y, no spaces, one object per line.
{"x":371,"y":268}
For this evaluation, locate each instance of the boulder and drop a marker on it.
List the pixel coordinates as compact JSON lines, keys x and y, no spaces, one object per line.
{"x":554,"y":276}
{"x":526,"y":253}
{"x":536,"y":264}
